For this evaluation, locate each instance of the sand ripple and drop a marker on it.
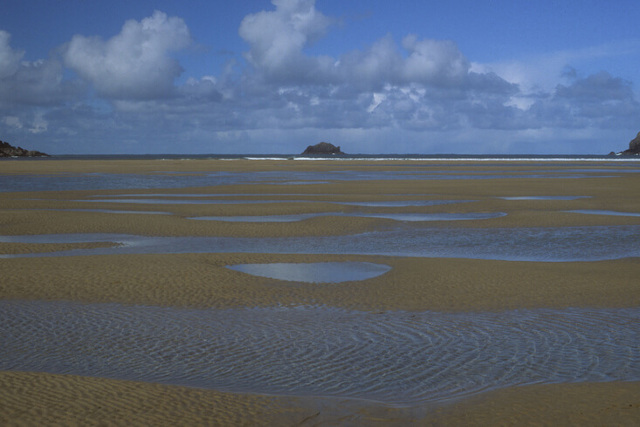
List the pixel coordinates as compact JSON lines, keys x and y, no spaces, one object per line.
{"x":321,"y":351}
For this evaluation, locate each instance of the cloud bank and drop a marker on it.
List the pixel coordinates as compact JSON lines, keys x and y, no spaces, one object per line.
{"x":415,"y":95}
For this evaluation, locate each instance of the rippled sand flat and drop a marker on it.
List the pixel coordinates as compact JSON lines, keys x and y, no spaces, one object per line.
{"x":508,"y":199}
{"x":395,"y":357}
{"x":28,"y":398}
{"x":201,"y":280}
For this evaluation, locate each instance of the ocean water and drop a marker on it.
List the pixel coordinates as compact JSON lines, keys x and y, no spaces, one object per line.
{"x":395,"y":356}
{"x":345,"y":157}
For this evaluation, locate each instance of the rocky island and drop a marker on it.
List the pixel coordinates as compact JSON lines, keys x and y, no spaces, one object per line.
{"x":322,"y":148}
{"x":8,"y":150}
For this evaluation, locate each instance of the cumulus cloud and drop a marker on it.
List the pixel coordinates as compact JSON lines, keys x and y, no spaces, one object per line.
{"x":136,"y":63}
{"x":433,"y":61}
{"x":373,"y":68}
{"x":420,"y":84}
{"x":276,"y":38}
{"x":30,"y":83}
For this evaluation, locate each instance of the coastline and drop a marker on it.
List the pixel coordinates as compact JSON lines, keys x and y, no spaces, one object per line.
{"x":413,"y":284}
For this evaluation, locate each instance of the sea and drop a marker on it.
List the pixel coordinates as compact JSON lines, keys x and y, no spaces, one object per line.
{"x":345,"y":157}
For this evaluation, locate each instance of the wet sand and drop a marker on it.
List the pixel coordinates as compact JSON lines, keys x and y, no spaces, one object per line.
{"x":28,"y":398}
{"x":201,"y":280}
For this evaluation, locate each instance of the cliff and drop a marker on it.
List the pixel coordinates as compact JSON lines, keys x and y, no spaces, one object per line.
{"x":8,"y":150}
{"x":634,"y":146}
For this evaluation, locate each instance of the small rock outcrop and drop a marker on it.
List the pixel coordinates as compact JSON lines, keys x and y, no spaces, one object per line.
{"x":634,"y":146}
{"x":323,"y":148}
{"x":8,"y":150}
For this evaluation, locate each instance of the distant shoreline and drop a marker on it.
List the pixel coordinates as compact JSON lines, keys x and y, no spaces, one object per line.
{"x":347,"y":157}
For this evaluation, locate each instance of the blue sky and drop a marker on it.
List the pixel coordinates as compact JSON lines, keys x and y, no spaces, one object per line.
{"x":452,"y":76}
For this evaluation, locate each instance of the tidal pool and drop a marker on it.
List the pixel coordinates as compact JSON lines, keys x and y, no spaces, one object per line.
{"x":185,"y":201}
{"x":403,"y":203}
{"x":113,"y":211}
{"x":408,"y":217}
{"x":604,"y":212}
{"x":176,"y":201}
{"x":395,"y":357}
{"x":544,"y":197}
{"x":318,"y":272}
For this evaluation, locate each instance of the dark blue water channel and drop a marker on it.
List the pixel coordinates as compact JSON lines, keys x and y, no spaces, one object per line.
{"x":557,"y":244}
{"x":104,"y":181}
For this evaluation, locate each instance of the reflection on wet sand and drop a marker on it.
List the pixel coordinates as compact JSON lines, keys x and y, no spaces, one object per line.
{"x":321,"y":272}
{"x":604,"y":212}
{"x":408,"y":217}
{"x":396,"y":357}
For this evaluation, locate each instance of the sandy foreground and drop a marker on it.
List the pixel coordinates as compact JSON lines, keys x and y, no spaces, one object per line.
{"x":29,"y":398}
{"x":201,"y":280}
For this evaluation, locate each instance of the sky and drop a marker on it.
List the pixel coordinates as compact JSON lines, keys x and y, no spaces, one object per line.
{"x":271,"y":77}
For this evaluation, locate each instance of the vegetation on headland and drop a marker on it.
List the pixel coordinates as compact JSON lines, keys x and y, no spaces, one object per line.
{"x":8,"y":150}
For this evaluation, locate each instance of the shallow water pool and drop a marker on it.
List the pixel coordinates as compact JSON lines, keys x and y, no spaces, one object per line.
{"x":407,"y":217}
{"x":553,"y":244}
{"x":317,"y":272}
{"x":394,"y":357}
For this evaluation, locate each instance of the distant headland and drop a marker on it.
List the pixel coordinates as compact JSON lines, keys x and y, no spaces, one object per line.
{"x":323,"y":148}
{"x":634,"y":147}
{"x":8,"y":150}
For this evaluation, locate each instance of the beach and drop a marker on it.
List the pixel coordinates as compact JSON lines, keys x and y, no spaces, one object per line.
{"x":181,"y":216}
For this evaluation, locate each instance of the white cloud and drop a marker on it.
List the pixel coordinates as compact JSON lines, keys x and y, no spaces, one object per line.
{"x":278,"y":37}
{"x":542,"y":72}
{"x":39,"y":124}
{"x":9,"y":58}
{"x":29,"y":83}
{"x":433,"y":61}
{"x":12,"y":122}
{"x":277,"y":40}
{"x":378,"y":98}
{"x":370,"y":70}
{"x":135,"y":63}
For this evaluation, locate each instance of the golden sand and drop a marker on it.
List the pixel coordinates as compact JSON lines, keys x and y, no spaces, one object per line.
{"x":201,"y":280}
{"x":28,"y":398}
{"x":586,"y":404}
{"x":26,"y":248}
